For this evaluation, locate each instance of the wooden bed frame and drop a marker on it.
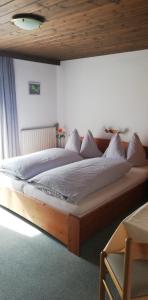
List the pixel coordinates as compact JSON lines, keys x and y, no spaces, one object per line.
{"x":67,"y":228}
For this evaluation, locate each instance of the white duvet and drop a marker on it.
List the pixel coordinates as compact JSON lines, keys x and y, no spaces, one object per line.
{"x":75,"y":181}
{"x":29,"y":165}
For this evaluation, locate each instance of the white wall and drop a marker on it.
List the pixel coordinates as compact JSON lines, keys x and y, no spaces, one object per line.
{"x":36,"y":110}
{"x":109,"y":90}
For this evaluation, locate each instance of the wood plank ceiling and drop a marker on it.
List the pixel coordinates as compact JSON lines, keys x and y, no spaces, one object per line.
{"x":74,"y":28}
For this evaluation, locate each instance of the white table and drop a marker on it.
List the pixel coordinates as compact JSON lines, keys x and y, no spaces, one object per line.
{"x":134,"y":226}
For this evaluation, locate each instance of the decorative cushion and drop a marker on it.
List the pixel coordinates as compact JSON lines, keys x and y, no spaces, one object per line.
{"x":135,"y":153}
{"x":115,"y":149}
{"x":89,"y":148}
{"x":74,"y":142}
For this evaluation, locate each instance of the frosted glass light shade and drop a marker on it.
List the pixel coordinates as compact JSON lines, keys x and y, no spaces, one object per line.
{"x":27,"y":23}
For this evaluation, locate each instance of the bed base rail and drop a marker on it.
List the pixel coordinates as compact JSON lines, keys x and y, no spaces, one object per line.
{"x":69,"y":229}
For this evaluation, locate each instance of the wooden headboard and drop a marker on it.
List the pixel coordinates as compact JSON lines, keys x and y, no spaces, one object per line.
{"x":103,"y":144}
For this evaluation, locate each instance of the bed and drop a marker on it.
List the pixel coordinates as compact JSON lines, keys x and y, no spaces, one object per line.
{"x":73,"y":225}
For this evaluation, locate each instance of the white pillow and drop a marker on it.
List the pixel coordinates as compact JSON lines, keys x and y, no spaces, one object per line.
{"x":135,"y":153}
{"x":115,"y":149}
{"x":74,"y":142}
{"x":89,"y":148}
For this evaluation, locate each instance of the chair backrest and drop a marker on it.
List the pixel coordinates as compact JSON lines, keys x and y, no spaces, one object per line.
{"x":133,"y":251}
{"x":137,"y":250}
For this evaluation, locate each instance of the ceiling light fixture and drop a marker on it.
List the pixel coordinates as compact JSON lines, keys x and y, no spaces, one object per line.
{"x":27,"y":21}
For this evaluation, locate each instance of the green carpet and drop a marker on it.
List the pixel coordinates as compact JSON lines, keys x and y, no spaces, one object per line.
{"x":38,"y":267}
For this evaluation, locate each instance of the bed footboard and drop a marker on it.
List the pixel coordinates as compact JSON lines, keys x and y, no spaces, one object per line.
{"x":81,"y":229}
{"x":36,"y":212}
{"x":107,"y":213}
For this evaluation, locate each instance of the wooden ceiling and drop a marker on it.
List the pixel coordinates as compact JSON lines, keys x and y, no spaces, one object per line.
{"x":74,"y":28}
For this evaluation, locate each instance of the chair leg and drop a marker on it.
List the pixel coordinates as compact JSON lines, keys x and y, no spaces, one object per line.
{"x":102,"y":276}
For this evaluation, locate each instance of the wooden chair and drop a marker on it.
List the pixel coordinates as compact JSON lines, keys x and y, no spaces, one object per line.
{"x":128,"y":270}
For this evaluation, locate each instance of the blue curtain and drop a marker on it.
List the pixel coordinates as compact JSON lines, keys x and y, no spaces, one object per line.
{"x":9,"y":135}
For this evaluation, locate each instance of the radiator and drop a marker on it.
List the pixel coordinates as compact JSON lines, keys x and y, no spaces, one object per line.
{"x":36,"y":139}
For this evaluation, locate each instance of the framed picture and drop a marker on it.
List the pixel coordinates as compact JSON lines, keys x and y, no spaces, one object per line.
{"x":34,"y":88}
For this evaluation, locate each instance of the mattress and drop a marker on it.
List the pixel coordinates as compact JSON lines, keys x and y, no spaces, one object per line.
{"x":133,"y":178}
{"x":11,"y":182}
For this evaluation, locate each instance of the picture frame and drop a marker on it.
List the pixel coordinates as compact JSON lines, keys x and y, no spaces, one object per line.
{"x":34,"y":88}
